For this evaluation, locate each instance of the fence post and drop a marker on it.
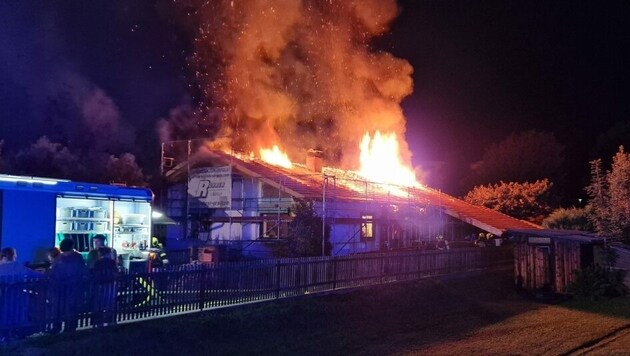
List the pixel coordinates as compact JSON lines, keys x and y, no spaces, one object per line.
{"x":202,"y":288}
{"x":418,"y":254}
{"x":334,"y":272}
{"x":382,"y":269}
{"x":277,"y":278}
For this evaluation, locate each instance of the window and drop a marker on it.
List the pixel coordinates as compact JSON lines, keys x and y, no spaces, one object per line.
{"x":273,"y":224}
{"x":367,"y":227}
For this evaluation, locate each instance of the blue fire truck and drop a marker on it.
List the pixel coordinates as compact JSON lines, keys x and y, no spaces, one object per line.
{"x":37,"y":213}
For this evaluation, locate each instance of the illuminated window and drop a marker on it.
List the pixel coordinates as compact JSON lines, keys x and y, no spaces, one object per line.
{"x":367,"y":227}
{"x":270,"y":227}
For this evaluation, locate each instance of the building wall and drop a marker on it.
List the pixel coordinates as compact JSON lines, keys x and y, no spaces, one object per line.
{"x":393,"y":226}
{"x":551,"y":266}
{"x":346,"y":239}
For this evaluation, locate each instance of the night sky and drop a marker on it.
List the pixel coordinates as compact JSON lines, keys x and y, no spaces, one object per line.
{"x":482,"y":70}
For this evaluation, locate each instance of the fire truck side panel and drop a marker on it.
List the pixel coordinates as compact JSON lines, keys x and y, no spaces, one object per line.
{"x":28,"y":223}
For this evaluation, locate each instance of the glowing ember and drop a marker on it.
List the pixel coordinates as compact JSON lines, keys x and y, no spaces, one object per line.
{"x":380,"y":161}
{"x":276,"y":157}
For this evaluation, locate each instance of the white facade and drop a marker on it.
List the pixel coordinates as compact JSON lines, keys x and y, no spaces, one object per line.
{"x":259,"y":216}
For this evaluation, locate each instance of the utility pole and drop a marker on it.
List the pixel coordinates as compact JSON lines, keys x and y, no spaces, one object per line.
{"x":324,"y":216}
{"x":186,"y":226}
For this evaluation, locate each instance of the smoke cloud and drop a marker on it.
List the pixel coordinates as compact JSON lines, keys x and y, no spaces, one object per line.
{"x":80,"y":127}
{"x":300,"y":73}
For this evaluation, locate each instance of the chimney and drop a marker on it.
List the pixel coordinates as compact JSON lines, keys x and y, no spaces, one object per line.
{"x":314,"y":160}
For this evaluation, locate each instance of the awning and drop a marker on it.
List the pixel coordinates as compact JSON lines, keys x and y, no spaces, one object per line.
{"x":163,"y":220}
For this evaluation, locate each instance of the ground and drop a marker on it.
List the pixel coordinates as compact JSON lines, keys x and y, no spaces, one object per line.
{"x":474,"y":313}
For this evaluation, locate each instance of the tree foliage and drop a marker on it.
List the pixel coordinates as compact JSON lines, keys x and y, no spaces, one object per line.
{"x":521,"y":157}
{"x":124,"y":169}
{"x":47,"y":159}
{"x":569,"y":219}
{"x":86,"y":140}
{"x":305,"y":233}
{"x":527,"y":201}
{"x":609,"y":196}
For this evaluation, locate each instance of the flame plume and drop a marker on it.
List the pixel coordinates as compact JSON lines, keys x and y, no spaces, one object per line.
{"x":380,"y":161}
{"x":275,"y":157}
{"x":301,"y":72}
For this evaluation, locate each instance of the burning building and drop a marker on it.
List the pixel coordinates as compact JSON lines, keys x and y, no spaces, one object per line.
{"x":278,"y":76}
{"x":246,"y":203}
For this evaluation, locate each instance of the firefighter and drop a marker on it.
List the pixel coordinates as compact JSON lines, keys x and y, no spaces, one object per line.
{"x":442,"y":244}
{"x":158,"y":255}
{"x":481,"y":240}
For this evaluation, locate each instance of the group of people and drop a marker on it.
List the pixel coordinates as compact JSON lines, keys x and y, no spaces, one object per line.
{"x":484,"y":240}
{"x":72,"y":281}
{"x":10,"y":267}
{"x":442,"y":243}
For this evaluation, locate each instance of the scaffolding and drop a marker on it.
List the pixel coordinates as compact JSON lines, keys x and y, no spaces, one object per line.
{"x":361,"y":215}
{"x":358,"y":220}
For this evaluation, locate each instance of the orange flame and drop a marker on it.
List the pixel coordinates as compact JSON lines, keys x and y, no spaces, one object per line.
{"x":276,"y":157}
{"x":380,"y":161}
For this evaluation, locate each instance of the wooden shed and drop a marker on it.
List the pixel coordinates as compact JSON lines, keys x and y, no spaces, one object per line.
{"x":546,"y":259}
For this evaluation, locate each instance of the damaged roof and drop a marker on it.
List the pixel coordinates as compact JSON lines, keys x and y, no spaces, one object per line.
{"x":300,"y":182}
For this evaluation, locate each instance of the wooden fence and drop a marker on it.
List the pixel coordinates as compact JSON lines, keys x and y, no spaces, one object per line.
{"x":42,"y":305}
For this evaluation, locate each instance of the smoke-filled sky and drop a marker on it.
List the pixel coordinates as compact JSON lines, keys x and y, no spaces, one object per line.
{"x":301,"y":73}
{"x":102,"y":74}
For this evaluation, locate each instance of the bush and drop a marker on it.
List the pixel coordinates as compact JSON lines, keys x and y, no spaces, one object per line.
{"x":596,"y":282}
{"x":569,"y":219}
{"x":304,"y":236}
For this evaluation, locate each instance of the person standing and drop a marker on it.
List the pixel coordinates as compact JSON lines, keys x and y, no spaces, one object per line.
{"x":98,"y":241}
{"x":51,"y":254}
{"x":11,"y":268}
{"x":67,"y":279}
{"x":14,"y":295}
{"x":104,"y":290}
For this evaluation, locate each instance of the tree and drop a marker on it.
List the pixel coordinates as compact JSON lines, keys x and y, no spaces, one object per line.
{"x":610,"y":196}
{"x":619,"y":193}
{"x":597,"y":191}
{"x":124,"y":169}
{"x":47,"y":159}
{"x":305,"y":233}
{"x":527,"y":201}
{"x":570,"y":219}
{"x":521,"y":157}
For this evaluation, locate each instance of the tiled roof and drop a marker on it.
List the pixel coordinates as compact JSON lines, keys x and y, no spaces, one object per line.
{"x":303,"y":183}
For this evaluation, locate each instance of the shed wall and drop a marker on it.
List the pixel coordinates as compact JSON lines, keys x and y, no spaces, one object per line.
{"x":549,"y":266}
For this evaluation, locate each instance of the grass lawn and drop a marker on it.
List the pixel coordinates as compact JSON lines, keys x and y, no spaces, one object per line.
{"x":476,"y":313}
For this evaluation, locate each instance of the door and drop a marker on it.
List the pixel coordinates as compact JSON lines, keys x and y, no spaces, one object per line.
{"x":542,"y":268}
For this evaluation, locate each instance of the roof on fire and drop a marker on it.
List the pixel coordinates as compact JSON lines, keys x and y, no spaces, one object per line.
{"x":301,"y":182}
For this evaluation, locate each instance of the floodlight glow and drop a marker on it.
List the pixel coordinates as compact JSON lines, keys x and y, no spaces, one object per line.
{"x":17,"y":179}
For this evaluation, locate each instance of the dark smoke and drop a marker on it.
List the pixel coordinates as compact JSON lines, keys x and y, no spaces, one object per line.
{"x":70,"y":127}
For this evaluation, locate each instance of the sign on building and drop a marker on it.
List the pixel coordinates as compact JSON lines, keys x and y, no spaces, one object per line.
{"x":211,"y":186}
